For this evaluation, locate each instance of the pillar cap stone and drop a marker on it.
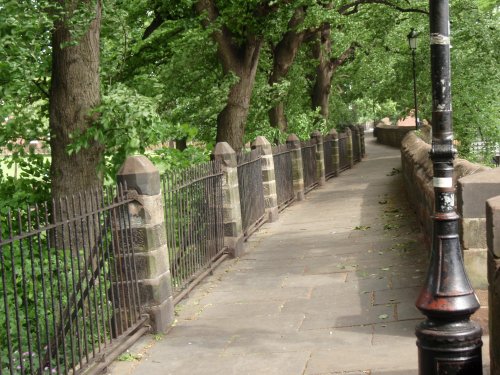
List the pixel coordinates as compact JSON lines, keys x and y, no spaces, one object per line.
{"x":334,"y":133}
{"x":138,"y":173}
{"x":293,"y":141}
{"x":473,"y":190}
{"x":225,"y":153}
{"x":263,"y":145}
{"x":348,"y":131}
{"x":493,"y":240}
{"x":316,"y":134}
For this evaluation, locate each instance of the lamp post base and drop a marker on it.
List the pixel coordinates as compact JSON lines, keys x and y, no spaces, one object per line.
{"x":449,"y":348}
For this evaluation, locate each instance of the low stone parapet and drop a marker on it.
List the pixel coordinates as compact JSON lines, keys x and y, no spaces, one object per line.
{"x":391,"y":135}
{"x":418,"y":176}
{"x":493,"y":240}
{"x":472,"y":193}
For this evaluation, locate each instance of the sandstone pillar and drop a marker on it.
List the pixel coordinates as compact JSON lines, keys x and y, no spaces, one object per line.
{"x":268,"y":177}
{"x":142,"y":180}
{"x":233,"y":229}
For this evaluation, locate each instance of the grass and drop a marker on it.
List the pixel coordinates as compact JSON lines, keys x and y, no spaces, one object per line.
{"x":8,"y":170}
{"x":13,"y":170}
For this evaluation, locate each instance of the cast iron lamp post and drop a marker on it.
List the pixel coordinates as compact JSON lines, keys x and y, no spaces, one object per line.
{"x":448,"y":341}
{"x":412,"y":41}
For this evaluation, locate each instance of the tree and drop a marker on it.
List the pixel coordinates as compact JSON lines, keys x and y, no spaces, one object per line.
{"x":74,"y":93}
{"x":327,"y":65}
{"x":475,"y":58}
{"x":284,"y":53}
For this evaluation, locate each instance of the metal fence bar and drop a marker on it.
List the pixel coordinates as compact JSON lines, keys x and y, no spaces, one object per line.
{"x":251,"y":191}
{"x":193,"y":221}
{"x":344,"y":161}
{"x":283,"y":171}
{"x":309,"y":165}
{"x":58,"y":278}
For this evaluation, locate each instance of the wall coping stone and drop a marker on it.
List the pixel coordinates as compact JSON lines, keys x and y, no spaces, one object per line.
{"x":225,"y":153}
{"x":474,"y":190}
{"x":139,"y":174}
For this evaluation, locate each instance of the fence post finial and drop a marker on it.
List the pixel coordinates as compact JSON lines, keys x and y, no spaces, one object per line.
{"x":268,"y":176}
{"x":298,"y":171}
{"x":149,"y":240}
{"x":233,"y":230}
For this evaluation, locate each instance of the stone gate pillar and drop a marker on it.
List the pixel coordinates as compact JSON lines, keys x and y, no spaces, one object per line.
{"x":363,"y":141}
{"x":233,"y":228}
{"x":320,"y":157}
{"x":335,"y":152}
{"x":349,"y":148}
{"x":268,"y":177}
{"x":298,"y":170}
{"x":142,"y":180}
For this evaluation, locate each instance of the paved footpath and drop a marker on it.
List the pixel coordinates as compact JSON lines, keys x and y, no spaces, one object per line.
{"x":327,"y":289}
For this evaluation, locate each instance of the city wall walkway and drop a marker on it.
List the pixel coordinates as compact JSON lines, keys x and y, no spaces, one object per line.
{"x":327,"y":289}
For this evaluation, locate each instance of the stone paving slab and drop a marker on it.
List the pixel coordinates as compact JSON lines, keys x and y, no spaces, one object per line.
{"x":329,"y":288}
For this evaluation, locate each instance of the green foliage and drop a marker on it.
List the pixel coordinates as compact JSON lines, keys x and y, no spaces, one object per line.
{"x":31,"y":186}
{"x":171,"y":85}
{"x":128,"y":123}
{"x":475,"y":78}
{"x":35,"y":275}
{"x":171,"y":159}
{"x":382,"y":69}
{"x":129,"y":357}
{"x":24,"y":53}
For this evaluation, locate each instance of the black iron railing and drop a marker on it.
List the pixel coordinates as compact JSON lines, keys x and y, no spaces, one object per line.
{"x":251,"y":191}
{"x":69,"y":292}
{"x":343,"y":156}
{"x":283,"y":172}
{"x":194,"y":221}
{"x":328,"y":152}
{"x":309,"y":165}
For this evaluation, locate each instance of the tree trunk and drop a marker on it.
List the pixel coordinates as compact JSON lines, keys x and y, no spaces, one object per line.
{"x":181,"y":144}
{"x":240,"y":58}
{"x":232,"y":120}
{"x":320,"y":94}
{"x":74,"y":93}
{"x":277,"y":117}
{"x":284,"y":54}
{"x":321,"y":90}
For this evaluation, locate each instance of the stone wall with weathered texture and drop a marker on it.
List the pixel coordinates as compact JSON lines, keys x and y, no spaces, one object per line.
{"x":472,"y":193}
{"x":391,"y":135}
{"x":493,"y":240}
{"x":418,"y":173}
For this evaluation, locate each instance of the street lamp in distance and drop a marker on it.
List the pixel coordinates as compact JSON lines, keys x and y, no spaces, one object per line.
{"x":412,"y":41}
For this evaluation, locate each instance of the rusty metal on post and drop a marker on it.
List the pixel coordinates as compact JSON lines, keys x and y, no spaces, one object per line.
{"x":448,"y":341}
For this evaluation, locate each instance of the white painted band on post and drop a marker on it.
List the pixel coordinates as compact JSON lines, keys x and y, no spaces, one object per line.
{"x":440,"y":39}
{"x":443,"y":182}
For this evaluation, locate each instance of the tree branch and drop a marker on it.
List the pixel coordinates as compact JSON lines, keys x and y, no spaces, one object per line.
{"x":265,"y":9}
{"x":353,"y":7}
{"x":156,"y":23}
{"x":227,"y":52}
{"x":346,"y":55}
{"x":39,"y":87}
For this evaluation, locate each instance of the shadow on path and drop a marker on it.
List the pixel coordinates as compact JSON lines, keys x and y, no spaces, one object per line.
{"x":327,"y":289}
